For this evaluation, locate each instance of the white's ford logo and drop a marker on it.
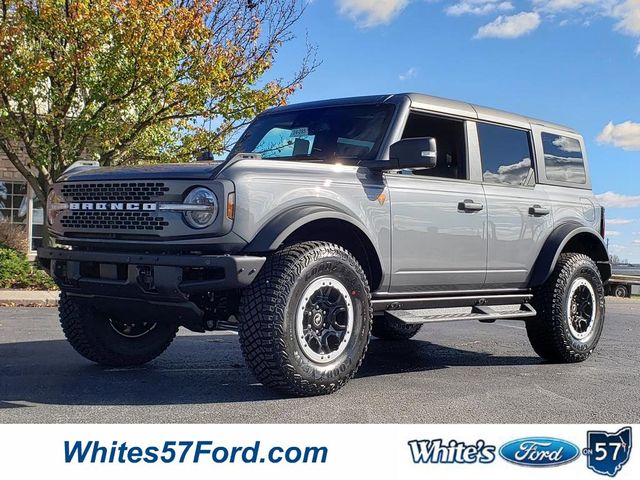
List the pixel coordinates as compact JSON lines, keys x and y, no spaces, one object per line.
{"x":113,"y":206}
{"x":539,"y":452}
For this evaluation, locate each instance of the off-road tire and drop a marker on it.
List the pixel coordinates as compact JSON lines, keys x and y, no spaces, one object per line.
{"x":389,"y":328}
{"x":549,"y":332}
{"x":92,"y":336}
{"x":621,"y":291}
{"x":267,"y":319}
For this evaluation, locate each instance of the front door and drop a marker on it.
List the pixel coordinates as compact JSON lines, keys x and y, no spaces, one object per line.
{"x":438,"y":216}
{"x":439,"y":234}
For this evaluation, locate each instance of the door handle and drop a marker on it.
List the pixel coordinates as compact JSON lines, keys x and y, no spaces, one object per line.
{"x":538,"y":211}
{"x":470,"y":206}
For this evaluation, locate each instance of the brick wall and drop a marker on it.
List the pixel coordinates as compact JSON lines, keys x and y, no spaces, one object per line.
{"x":7,"y":170}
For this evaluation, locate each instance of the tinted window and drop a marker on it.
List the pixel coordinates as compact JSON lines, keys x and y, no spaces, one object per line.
{"x":563,"y":160}
{"x":506,"y":154}
{"x":452,"y":146}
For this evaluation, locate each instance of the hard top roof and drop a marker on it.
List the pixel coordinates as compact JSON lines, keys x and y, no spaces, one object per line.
{"x":432,"y":104}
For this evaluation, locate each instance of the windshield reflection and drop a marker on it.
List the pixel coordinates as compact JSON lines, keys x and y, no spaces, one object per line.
{"x":318,"y":134}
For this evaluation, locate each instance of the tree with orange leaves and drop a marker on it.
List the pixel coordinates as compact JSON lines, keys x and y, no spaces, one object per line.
{"x":128,"y":81}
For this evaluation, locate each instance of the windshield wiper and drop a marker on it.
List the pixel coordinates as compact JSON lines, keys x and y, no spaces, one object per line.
{"x":296,"y":157}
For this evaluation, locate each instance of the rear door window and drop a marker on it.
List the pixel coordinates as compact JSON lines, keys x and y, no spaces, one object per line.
{"x":563,"y":159}
{"x":506,"y":155}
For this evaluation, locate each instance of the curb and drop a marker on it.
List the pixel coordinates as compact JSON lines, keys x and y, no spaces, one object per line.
{"x":28,"y":298}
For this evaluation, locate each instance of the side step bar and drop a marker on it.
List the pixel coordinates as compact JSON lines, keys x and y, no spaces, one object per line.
{"x":383,"y":304}
{"x":481,"y":313}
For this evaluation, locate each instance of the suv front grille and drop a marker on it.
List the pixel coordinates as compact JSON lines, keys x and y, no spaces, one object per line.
{"x":114,"y":220}
{"x":110,"y":220}
{"x":114,"y":192}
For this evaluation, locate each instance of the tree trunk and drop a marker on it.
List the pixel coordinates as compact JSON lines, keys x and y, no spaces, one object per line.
{"x":47,"y":240}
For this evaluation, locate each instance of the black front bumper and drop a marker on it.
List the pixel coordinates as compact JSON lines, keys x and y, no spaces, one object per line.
{"x":158,"y":285}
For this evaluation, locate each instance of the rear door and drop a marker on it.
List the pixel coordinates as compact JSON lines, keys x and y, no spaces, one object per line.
{"x":520,"y":216}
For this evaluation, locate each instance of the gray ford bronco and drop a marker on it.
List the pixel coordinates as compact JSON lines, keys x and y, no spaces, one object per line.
{"x":330,"y":222}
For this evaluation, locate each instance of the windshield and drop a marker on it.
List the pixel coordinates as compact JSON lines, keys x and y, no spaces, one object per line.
{"x":322,"y":134}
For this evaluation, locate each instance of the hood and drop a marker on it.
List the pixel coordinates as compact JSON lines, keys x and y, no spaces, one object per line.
{"x":165,"y":171}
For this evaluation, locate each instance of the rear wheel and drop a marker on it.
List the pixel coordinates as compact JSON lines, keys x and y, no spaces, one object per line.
{"x":113,"y":341}
{"x":389,"y":328}
{"x":305,"y":322}
{"x":571,"y":308}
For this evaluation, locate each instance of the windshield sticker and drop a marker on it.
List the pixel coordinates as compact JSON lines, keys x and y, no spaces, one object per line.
{"x":299,"y":132}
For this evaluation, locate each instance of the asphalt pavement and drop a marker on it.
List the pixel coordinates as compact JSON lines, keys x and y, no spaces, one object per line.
{"x":463,"y":372}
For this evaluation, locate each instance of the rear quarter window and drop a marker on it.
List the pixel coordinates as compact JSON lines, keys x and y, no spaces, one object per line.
{"x":563,"y":159}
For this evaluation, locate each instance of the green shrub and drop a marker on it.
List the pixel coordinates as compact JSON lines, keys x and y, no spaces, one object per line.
{"x":17,"y":272}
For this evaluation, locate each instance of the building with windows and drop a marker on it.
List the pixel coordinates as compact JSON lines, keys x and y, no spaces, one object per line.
{"x":18,"y":204}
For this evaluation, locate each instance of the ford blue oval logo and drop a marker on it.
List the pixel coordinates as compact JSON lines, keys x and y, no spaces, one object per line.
{"x":539,"y":451}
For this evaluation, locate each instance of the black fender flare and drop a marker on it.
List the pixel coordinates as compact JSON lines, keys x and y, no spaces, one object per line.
{"x":276,"y":231}
{"x":558,"y":240}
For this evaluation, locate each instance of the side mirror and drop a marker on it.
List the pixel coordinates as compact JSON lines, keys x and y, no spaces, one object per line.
{"x":414,"y":153}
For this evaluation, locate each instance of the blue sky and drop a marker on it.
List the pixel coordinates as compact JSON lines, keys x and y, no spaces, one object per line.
{"x":575,"y":62}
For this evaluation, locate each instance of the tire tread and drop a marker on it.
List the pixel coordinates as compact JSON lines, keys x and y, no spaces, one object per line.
{"x":262,"y":314}
{"x":76,"y":322}
{"x":388,"y":328}
{"x":547,"y":332}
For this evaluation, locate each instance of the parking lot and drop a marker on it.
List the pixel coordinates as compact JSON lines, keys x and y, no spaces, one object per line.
{"x":456,"y":372}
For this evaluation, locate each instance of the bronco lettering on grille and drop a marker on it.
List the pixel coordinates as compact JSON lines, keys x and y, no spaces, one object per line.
{"x":91,"y":206}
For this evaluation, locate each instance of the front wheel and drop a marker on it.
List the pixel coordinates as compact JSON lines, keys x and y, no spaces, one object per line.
{"x":621,"y":291}
{"x":389,"y":328}
{"x":571,"y":309}
{"x":305,"y":322}
{"x":111,"y":341}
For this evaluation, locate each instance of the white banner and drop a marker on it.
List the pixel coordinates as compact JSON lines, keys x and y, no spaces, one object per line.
{"x":319,"y":451}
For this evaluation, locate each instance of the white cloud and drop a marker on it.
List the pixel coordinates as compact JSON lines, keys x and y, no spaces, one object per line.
{"x":565,"y":169}
{"x":637,"y":242}
{"x":409,"y":74}
{"x":369,"y":13}
{"x":567,"y":144}
{"x":478,"y":7}
{"x":613,"y":233}
{"x":618,"y":221}
{"x":513,"y":174}
{"x":623,"y":135}
{"x":629,"y":14}
{"x":616,"y":200}
{"x":524,"y":163}
{"x":555,"y":6}
{"x":626,"y":12}
{"x":512,"y":26}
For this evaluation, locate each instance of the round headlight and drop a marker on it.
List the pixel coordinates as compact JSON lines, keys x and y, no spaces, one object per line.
{"x":55,"y":205}
{"x":201,"y":208}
